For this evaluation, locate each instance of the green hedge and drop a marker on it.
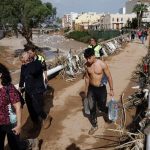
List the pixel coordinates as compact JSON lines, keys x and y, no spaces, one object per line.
{"x":77,"y":35}
{"x":84,"y":36}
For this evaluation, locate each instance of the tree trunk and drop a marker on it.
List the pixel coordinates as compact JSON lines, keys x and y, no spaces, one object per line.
{"x":138,"y":19}
{"x":27,"y":34}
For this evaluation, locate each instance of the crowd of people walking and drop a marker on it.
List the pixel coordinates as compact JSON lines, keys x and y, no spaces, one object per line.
{"x":141,"y":34}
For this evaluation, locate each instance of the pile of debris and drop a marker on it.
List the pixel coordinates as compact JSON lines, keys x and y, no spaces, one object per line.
{"x":136,"y":136}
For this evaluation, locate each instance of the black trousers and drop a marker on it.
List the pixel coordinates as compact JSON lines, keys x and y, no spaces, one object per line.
{"x":14,"y":141}
{"x":97,"y":97}
{"x":34,"y":103}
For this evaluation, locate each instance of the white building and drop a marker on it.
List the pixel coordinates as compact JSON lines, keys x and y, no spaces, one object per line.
{"x":98,"y":25}
{"x":68,"y":20}
{"x":146,"y":15}
{"x":87,"y":19}
{"x":117,"y":21}
{"x":122,"y":10}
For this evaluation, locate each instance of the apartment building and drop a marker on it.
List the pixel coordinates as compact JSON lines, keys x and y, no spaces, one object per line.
{"x":83,"y":21}
{"x":122,"y":10}
{"x":98,"y":25}
{"x":68,"y":20}
{"x":146,"y":15}
{"x":117,"y":21}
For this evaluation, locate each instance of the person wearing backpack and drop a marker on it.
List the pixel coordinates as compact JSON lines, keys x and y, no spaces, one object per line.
{"x":10,"y":115}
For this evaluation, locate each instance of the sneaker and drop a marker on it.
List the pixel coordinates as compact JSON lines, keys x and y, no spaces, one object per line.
{"x":47,"y":122}
{"x":33,"y":144}
{"x":92,"y":130}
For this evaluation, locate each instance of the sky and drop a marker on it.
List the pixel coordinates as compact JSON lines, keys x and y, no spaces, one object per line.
{"x":79,"y":6}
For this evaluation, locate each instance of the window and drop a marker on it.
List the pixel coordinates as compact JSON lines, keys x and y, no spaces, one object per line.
{"x":117,"y":19}
{"x":112,"y":19}
{"x":121,"y":19}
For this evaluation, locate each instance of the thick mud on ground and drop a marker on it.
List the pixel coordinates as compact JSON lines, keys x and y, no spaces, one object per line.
{"x":69,"y":128}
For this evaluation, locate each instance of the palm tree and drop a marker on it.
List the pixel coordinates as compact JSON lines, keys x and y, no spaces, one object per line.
{"x":144,"y":8}
{"x":54,"y":12}
{"x":139,"y":9}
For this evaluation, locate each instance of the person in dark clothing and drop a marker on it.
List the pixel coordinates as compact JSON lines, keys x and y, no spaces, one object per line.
{"x":34,"y":56}
{"x":97,"y":48}
{"x":10,"y":115}
{"x":32,"y":76}
{"x":132,"y":35}
{"x":146,"y":34}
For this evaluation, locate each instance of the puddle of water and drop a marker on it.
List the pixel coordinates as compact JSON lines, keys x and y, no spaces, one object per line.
{"x":47,"y":52}
{"x":50,"y":54}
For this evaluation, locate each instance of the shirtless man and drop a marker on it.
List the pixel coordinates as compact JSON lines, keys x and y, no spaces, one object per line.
{"x":95,"y":88}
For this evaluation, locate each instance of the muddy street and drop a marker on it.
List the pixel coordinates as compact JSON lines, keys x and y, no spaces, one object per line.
{"x":69,"y":128}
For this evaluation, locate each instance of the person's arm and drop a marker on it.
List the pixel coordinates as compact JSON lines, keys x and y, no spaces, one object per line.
{"x":17,"y":128}
{"x":110,"y":81}
{"x":86,"y":82}
{"x":46,"y":77}
{"x":22,"y":79}
{"x":15,"y":101}
{"x":44,"y":66}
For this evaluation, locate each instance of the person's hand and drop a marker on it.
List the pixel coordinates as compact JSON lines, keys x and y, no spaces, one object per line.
{"x":16,"y":130}
{"x":83,"y":95}
{"x":111,"y":93}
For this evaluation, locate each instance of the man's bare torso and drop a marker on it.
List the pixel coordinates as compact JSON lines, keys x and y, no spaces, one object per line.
{"x":95,"y":72}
